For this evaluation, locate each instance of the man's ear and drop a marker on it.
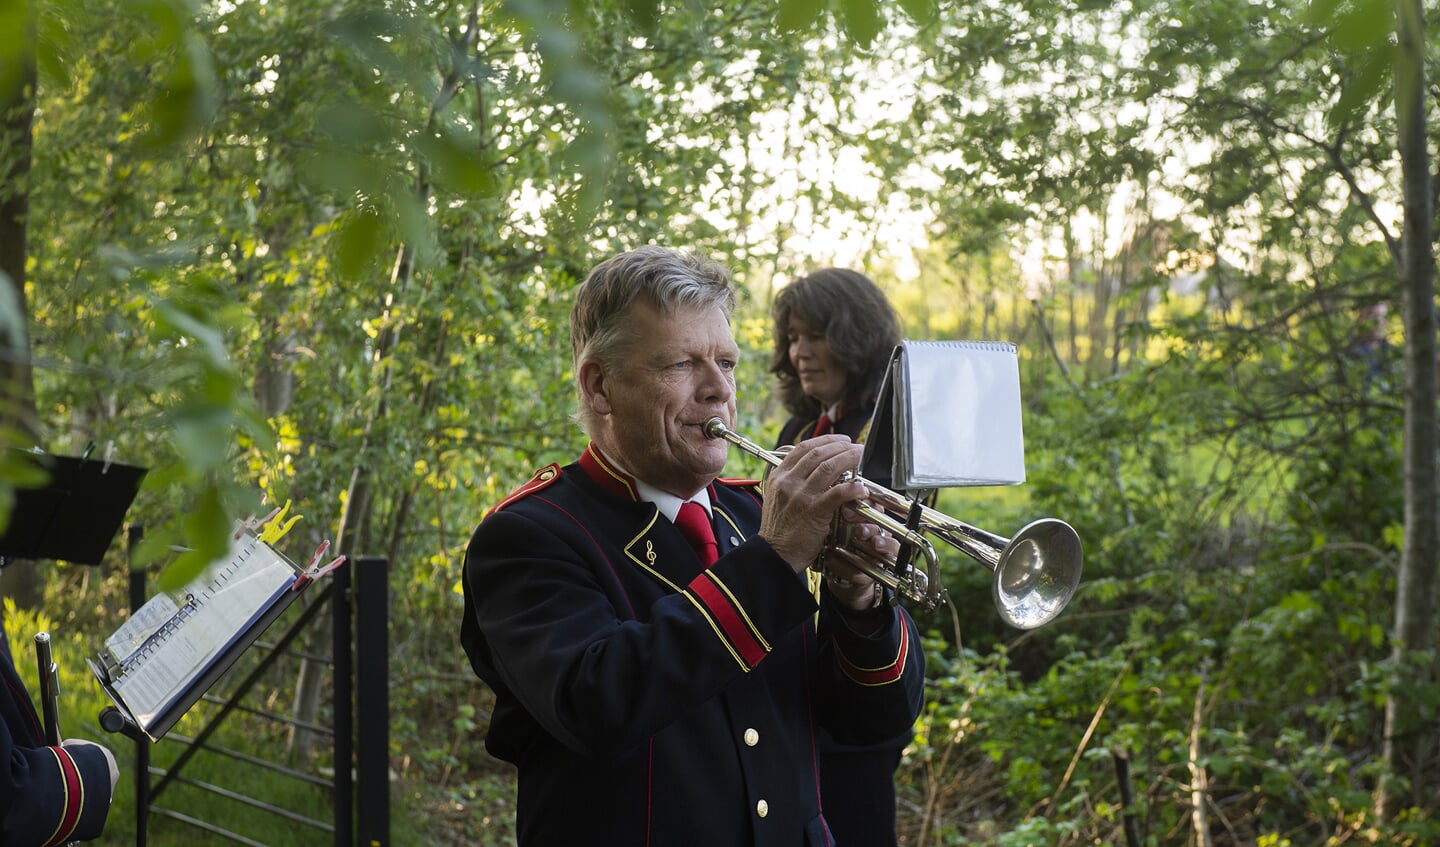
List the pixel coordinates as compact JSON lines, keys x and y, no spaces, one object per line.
{"x":595,"y":387}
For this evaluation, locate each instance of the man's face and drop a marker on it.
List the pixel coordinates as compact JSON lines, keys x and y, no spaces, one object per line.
{"x":651,"y":408}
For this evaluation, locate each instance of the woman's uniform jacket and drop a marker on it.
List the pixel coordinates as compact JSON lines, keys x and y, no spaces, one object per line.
{"x":48,"y":795}
{"x":648,"y":701}
{"x":854,"y":423}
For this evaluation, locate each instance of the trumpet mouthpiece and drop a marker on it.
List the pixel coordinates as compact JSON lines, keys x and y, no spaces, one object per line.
{"x":715,"y":428}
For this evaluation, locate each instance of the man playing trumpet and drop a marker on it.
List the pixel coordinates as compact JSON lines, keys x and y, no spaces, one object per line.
{"x":661,"y":660}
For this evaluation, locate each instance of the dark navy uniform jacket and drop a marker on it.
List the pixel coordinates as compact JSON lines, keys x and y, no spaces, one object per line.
{"x":857,"y":780}
{"x":649,"y":701}
{"x":48,"y":795}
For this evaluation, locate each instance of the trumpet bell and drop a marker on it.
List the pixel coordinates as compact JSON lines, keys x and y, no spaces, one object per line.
{"x":1037,"y":573}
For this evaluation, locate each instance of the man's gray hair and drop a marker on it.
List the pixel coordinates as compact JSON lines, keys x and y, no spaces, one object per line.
{"x":663,"y":277}
{"x":660,"y":276}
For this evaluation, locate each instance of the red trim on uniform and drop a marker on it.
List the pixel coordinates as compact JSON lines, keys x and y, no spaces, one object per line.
{"x":74,"y":797}
{"x":736,"y":632}
{"x":879,"y":676}
{"x":742,"y":486}
{"x":600,"y":551}
{"x":737,"y":481}
{"x":606,"y":475}
{"x":543,"y":478}
{"x":27,"y":709}
{"x":805,"y":633}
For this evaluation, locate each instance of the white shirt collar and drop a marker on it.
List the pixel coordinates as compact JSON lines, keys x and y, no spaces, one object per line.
{"x":667,"y":503}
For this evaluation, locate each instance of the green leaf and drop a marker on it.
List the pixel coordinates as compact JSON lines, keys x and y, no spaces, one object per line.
{"x":1297,"y":601}
{"x":202,"y":435}
{"x":352,"y":124}
{"x":458,"y":167}
{"x":17,"y":42}
{"x":254,"y":424}
{"x":646,"y":13}
{"x":1369,"y":81}
{"x":1321,"y":12}
{"x":187,"y":99}
{"x":1363,"y":24}
{"x":207,"y":528}
{"x":796,"y":15}
{"x":22,"y":469}
{"x":592,"y":154}
{"x":342,"y":172}
{"x":212,"y":342}
{"x":357,"y":242}
{"x":920,"y":11}
{"x":154,"y":545}
{"x":165,"y":18}
{"x":862,"y":20}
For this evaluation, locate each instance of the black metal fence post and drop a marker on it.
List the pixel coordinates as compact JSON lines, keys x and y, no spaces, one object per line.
{"x":372,"y":702}
{"x":133,"y":535}
{"x":342,"y":647}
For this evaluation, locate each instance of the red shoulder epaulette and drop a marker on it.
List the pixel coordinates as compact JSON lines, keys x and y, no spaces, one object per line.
{"x":542,"y":478}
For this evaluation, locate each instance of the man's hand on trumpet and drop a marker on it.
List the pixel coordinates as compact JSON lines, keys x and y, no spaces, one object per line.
{"x":803,"y":495}
{"x":804,"y":492}
{"x":851,"y":587}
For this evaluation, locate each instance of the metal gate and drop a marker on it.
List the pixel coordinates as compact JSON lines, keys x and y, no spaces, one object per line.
{"x":353,"y":805}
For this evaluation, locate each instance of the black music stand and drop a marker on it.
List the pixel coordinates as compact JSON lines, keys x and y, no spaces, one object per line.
{"x":74,"y":515}
{"x":878,"y":458}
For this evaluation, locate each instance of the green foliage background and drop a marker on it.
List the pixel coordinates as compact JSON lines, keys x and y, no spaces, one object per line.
{"x":322,"y":252}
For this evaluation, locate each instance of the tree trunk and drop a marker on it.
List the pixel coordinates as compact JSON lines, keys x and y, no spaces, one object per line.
{"x":1410,"y":732}
{"x":17,"y":113}
{"x":1072,"y":276}
{"x":1199,"y":777}
{"x":22,"y":581}
{"x":350,"y":541}
{"x":355,"y":521}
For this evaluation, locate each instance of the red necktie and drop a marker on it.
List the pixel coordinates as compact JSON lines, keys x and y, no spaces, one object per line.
{"x":695,"y":525}
{"x":822,"y":426}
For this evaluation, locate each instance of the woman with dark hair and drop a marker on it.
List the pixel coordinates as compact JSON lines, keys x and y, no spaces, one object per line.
{"x":834,"y":333}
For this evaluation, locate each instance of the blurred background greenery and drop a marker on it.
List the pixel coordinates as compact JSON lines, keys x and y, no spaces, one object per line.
{"x":322,"y":252}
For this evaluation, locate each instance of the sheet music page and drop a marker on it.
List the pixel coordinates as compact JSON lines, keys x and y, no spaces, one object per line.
{"x":218,"y":608}
{"x":143,"y":623}
{"x":962,"y":415}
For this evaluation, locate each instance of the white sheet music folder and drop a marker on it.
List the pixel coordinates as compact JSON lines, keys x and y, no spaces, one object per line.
{"x":154,"y":667}
{"x":957,"y":414}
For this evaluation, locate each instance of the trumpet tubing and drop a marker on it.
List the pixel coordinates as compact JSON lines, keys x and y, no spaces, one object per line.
{"x":1035,"y":572}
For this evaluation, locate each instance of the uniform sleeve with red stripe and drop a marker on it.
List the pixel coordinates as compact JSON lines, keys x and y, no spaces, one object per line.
{"x":48,"y":795}
{"x":879,"y":674}
{"x":870,"y":688}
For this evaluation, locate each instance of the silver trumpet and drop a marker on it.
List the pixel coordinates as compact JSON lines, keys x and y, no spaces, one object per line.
{"x":1036,"y":571}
